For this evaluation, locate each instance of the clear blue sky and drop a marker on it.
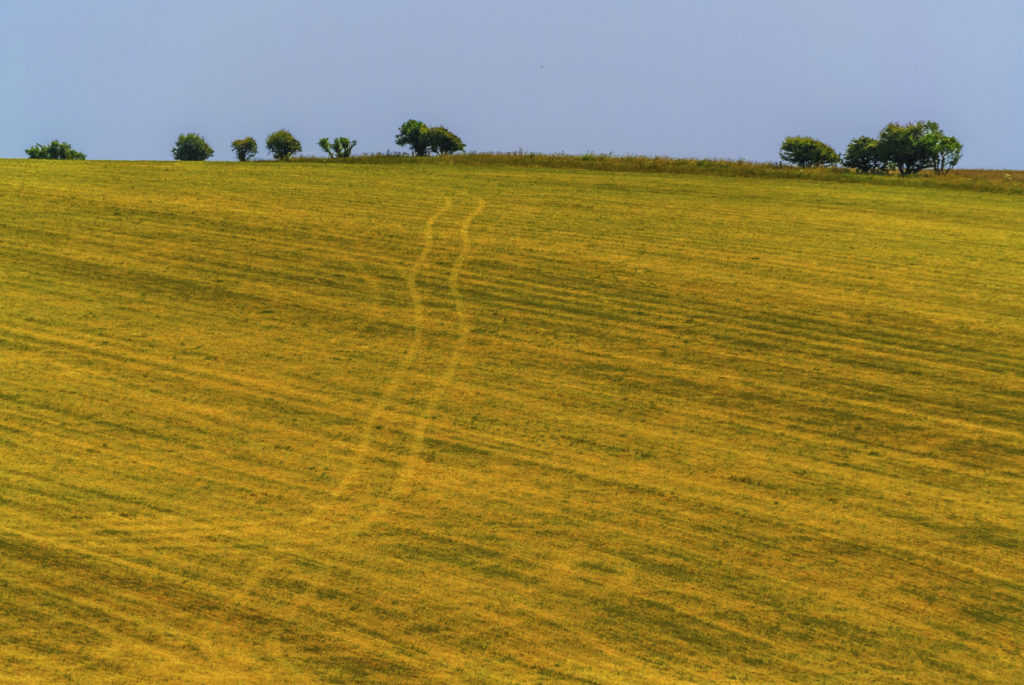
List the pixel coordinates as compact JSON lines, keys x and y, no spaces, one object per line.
{"x":120,"y":79}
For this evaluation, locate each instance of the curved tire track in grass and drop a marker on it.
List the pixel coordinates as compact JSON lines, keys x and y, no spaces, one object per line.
{"x":360,"y":494}
{"x":403,"y":483}
{"x":410,"y":356}
{"x":352,"y":480}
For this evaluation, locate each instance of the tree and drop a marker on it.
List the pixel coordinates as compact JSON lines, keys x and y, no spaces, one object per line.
{"x":423,"y":140}
{"x":862,"y":155}
{"x":908,"y":148}
{"x":191,"y":147}
{"x":283,"y":144}
{"x":806,"y":152}
{"x":55,"y":150}
{"x":413,"y":134}
{"x":946,"y":152}
{"x":339,"y":147}
{"x":916,"y":146}
{"x":245,"y":148}
{"x":441,"y":141}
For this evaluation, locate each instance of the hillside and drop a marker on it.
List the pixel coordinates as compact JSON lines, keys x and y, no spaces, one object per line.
{"x":422,"y":422}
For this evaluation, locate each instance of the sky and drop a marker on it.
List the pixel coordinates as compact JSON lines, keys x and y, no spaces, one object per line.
{"x":120,"y":79}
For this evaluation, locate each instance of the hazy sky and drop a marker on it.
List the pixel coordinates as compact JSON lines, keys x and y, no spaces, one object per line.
{"x":120,"y":79}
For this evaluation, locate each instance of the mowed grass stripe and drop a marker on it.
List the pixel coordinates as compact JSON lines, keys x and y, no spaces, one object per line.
{"x":657,"y":429}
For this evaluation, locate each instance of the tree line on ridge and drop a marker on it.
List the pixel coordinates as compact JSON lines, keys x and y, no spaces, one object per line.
{"x":906,"y":148}
{"x":282,"y":145}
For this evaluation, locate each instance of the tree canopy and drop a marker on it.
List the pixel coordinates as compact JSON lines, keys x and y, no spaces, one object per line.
{"x":245,"y":148}
{"x":918,"y":145}
{"x":904,"y":146}
{"x":441,"y":141}
{"x":282,"y":144}
{"x":806,"y":152}
{"x":55,"y":150}
{"x":423,"y":140}
{"x":339,"y":147}
{"x":413,"y":134}
{"x":191,"y":147}
{"x":907,"y":148}
{"x":862,"y":155}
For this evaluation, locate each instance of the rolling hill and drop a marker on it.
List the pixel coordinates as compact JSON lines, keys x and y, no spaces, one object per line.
{"x":430,"y":422}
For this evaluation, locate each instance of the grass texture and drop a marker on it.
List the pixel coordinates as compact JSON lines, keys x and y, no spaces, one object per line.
{"x":435,"y":422}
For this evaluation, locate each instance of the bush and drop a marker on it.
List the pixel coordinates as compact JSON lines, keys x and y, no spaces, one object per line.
{"x":339,"y":147}
{"x":441,"y":141}
{"x":282,"y":144}
{"x":806,"y":152}
{"x":191,"y":147}
{"x":862,"y":154}
{"x":245,"y":148}
{"x":55,"y":150}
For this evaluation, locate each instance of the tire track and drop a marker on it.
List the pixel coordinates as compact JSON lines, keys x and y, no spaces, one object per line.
{"x":367,"y":505}
{"x":411,"y":353}
{"x":402,"y":488}
{"x":360,"y":516}
{"x":352,"y":478}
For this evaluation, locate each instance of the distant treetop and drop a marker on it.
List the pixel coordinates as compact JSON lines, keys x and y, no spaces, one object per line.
{"x":55,"y":150}
{"x":282,"y":144}
{"x":191,"y":147}
{"x":339,"y":147}
{"x":907,"y":148}
{"x":805,"y":152}
{"x":245,"y":148}
{"x":422,"y":139}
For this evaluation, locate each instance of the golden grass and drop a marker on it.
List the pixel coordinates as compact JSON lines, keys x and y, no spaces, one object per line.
{"x":979,"y":180}
{"x":429,"y":422}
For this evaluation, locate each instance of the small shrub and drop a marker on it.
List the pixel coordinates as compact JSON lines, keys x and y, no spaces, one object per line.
{"x":807,"y":152}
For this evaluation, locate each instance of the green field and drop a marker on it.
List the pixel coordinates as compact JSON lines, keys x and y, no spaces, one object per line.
{"x":422,"y":422}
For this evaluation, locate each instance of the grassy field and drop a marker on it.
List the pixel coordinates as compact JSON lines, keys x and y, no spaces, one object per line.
{"x":487,"y":423}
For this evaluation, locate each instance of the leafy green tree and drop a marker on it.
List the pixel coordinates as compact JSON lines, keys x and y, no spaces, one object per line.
{"x":908,"y":148}
{"x":862,"y":155}
{"x":806,"y":152}
{"x":55,"y":150}
{"x":413,"y":134}
{"x":339,"y":147}
{"x":343,"y":146}
{"x":283,"y":145}
{"x":913,"y":147}
{"x":441,"y":141}
{"x":191,"y":147}
{"x":946,"y":151}
{"x":422,"y":139}
{"x":245,"y":148}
